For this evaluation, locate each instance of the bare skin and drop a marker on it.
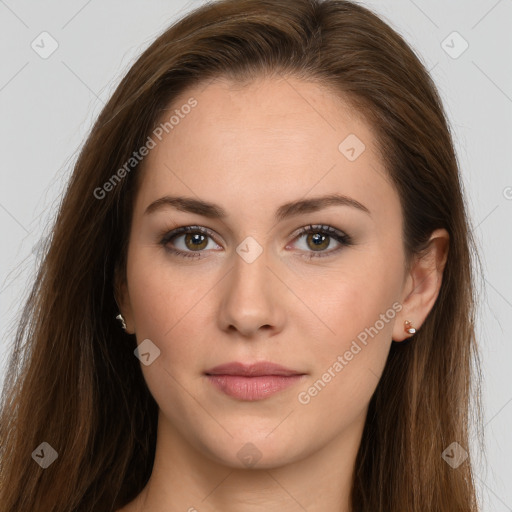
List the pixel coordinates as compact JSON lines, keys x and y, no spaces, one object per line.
{"x":250,"y":150}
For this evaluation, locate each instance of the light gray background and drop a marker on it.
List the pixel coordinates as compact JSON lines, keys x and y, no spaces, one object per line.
{"x":48,"y":106}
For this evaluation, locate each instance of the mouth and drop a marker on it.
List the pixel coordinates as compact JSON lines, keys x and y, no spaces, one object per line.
{"x":251,"y":382}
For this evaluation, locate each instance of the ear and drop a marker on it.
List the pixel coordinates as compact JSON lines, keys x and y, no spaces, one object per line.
{"x":122,"y":298}
{"x":422,"y":284}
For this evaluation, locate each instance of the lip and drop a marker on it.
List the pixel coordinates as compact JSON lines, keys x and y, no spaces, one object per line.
{"x":250,"y":382}
{"x":252,"y":370}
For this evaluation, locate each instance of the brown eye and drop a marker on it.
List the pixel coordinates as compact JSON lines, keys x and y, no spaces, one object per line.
{"x":196,"y":241}
{"x":317,"y":241}
{"x":188,"y":241}
{"x":319,"y":238}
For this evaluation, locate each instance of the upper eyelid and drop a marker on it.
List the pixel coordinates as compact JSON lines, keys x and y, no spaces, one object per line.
{"x":183,"y":230}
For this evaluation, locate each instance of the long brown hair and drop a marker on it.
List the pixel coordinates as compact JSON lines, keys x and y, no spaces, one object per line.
{"x":73,"y":380}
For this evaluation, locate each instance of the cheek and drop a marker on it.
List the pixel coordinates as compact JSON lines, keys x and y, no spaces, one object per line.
{"x":157,"y":293}
{"x":355,"y":298}
{"x":349,"y":362}
{"x":165,"y":309}
{"x":357,"y":309}
{"x":168,"y":306}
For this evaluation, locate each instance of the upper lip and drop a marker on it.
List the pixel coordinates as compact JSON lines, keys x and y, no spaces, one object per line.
{"x":252,"y":370}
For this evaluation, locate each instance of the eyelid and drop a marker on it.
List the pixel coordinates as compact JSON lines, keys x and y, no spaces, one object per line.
{"x":317,"y":228}
{"x":168,"y":234}
{"x":339,"y":236}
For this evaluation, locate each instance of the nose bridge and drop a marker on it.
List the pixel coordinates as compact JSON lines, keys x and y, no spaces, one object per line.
{"x":250,"y":275}
{"x":250,"y":298}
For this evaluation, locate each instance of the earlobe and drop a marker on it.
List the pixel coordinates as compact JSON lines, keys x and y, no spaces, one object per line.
{"x":422,"y":285}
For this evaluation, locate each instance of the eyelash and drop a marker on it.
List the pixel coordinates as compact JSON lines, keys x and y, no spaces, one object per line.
{"x":339,"y":236}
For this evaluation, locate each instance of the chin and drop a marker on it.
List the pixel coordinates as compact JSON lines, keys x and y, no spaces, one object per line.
{"x":255,"y":451}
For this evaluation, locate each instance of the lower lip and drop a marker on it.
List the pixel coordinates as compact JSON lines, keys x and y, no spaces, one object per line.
{"x":252,"y":388}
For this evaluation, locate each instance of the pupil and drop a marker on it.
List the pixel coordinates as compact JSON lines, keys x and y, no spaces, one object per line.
{"x":195,"y":241}
{"x":319,"y":240}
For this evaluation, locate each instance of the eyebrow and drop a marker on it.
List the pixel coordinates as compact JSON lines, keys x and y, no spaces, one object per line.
{"x":287,"y":210}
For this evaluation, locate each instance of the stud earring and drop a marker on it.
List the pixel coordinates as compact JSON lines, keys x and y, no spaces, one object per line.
{"x":409,"y":328}
{"x":121,"y":320}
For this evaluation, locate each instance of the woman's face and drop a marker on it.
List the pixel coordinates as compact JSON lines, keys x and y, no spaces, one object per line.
{"x":252,"y":287}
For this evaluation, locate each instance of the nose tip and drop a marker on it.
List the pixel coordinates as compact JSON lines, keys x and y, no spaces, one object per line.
{"x":250,"y":302}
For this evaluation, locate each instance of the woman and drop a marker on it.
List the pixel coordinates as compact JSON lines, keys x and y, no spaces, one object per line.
{"x":258,"y":286}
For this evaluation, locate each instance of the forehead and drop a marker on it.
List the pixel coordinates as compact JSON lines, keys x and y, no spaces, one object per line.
{"x":269,"y":140}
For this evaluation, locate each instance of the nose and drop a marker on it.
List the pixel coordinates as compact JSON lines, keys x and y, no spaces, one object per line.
{"x":252,"y":298}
